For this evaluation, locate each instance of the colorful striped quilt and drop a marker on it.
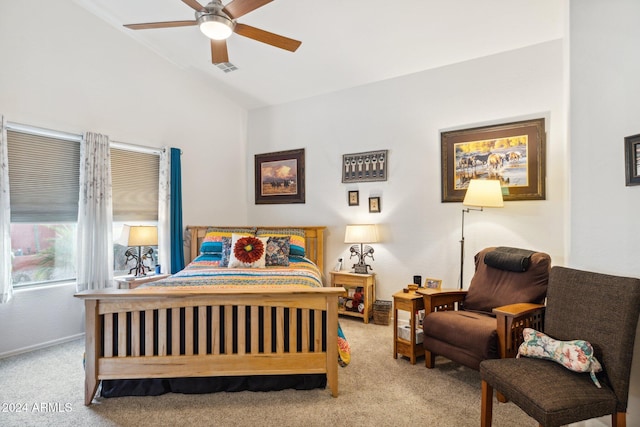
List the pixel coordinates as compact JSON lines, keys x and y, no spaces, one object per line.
{"x":301,"y":272}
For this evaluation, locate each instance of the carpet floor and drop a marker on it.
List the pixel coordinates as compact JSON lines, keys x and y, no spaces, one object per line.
{"x":45,"y":388}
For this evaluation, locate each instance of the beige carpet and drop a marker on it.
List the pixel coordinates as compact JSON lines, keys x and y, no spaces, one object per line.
{"x":45,"y":388}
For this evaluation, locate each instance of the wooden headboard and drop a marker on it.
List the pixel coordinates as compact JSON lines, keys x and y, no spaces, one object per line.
{"x":314,"y":238}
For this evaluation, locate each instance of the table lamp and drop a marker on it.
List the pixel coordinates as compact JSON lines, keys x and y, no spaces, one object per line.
{"x":361,"y":234}
{"x":139,"y":235}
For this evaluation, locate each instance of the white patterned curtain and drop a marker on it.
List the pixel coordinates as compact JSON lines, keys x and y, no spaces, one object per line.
{"x":6,"y":287}
{"x":164,"y":217}
{"x":95,"y":242}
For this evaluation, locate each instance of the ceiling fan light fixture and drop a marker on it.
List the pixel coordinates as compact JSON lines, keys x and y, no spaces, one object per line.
{"x":216,"y":27}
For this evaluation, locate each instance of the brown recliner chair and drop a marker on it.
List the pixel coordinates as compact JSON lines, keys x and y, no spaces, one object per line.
{"x":486,"y":321}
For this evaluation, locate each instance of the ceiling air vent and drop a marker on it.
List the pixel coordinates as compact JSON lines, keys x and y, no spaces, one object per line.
{"x":227,"y":67}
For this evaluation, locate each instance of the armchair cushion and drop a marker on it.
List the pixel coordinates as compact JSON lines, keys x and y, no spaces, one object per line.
{"x":510,"y":259}
{"x":472,"y":335}
{"x":492,"y":287}
{"x":548,"y":392}
{"x":576,"y":355}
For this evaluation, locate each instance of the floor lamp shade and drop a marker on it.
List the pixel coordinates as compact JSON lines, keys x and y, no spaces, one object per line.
{"x":486,"y":193}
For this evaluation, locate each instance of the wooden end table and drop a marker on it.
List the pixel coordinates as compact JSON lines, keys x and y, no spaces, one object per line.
{"x":348,"y":280}
{"x":411,"y":302}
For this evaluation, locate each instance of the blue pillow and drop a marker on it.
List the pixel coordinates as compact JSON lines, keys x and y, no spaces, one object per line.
{"x":211,"y":248}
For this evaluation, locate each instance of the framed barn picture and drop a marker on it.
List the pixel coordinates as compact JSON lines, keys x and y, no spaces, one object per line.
{"x":513,"y":153}
{"x":279,"y":177}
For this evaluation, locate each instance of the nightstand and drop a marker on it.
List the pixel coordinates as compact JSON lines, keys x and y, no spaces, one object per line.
{"x":411,"y":302}
{"x":352,"y":281}
{"x":133,"y":282}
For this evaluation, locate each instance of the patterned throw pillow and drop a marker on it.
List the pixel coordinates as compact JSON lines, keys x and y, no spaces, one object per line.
{"x":277,"y":252}
{"x":296,"y":237}
{"x":226,"y":252}
{"x":247,"y":251}
{"x":576,"y":355}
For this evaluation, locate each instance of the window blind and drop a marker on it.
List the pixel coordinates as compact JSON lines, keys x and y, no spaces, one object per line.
{"x":134,"y":180}
{"x":44,"y":177}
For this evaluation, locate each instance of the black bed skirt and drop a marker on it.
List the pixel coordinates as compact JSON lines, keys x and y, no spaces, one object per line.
{"x":156,"y":387}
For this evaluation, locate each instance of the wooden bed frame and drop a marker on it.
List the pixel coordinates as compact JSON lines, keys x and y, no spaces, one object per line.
{"x":172,"y":332}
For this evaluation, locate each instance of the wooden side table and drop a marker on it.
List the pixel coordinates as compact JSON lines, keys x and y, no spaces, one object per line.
{"x":352,"y":280}
{"x":134,"y":282}
{"x":411,"y":302}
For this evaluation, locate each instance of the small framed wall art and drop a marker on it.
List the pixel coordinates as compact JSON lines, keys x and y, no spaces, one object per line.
{"x":365,"y":167}
{"x":374,"y":204}
{"x":632,"y":159}
{"x":354,"y":198}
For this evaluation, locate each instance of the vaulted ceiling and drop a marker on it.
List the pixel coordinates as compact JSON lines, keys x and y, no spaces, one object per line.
{"x":345,"y":43}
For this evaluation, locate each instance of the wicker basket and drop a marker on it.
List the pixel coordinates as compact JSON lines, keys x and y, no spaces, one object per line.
{"x":381,"y":312}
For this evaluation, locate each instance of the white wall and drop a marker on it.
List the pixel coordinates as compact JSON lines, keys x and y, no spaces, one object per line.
{"x":89,"y":76}
{"x":405,"y":115}
{"x":605,"y":89}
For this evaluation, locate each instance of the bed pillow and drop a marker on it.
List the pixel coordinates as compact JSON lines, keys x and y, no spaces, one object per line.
{"x":214,"y":239}
{"x":297,"y":242}
{"x":277,"y":252}
{"x":576,"y":355}
{"x":206,"y":260}
{"x":226,"y":251}
{"x":247,"y":251}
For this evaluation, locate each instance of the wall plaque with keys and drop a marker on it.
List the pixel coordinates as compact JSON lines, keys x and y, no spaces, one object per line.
{"x":363,"y":167}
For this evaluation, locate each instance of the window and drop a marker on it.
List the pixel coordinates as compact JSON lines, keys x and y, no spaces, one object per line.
{"x":44,"y":174}
{"x":134,"y":178}
{"x":44,"y":170}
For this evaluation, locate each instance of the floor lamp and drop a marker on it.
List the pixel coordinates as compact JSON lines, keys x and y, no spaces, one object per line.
{"x":481,"y":193}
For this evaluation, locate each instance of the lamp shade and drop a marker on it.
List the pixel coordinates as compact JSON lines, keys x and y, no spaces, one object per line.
{"x":363,"y":233}
{"x":139,"y":235}
{"x":486,"y":193}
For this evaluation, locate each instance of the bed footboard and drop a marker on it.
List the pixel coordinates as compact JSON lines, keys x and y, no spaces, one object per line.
{"x":169,"y":332}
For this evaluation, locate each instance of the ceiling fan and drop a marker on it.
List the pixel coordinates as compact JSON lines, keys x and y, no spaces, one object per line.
{"x":218,"y":22}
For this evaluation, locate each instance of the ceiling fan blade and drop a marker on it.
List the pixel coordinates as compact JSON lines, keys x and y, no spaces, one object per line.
{"x":193,"y":4}
{"x":236,"y":8}
{"x":219,"y":52}
{"x":169,"y":24}
{"x":266,"y":37}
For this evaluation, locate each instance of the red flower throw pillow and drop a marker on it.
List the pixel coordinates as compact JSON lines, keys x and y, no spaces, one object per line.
{"x":247,"y":252}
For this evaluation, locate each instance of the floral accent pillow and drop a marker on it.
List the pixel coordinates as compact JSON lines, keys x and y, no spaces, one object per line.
{"x":576,"y":355}
{"x":277,"y":252}
{"x":214,"y":239}
{"x":247,"y":252}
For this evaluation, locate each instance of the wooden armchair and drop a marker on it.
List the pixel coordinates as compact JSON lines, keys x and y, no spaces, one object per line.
{"x":599,"y":308}
{"x":486,"y":321}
